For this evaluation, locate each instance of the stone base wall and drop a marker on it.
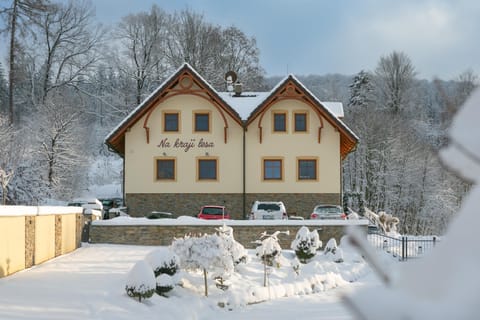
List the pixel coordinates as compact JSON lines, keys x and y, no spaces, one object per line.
{"x":188,"y":204}
{"x":163,"y":235}
{"x":29,"y":241}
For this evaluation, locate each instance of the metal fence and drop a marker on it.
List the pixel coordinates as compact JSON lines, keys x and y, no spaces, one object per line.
{"x":404,"y":247}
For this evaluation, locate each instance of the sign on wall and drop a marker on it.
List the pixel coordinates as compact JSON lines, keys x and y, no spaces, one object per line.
{"x":186,"y":145}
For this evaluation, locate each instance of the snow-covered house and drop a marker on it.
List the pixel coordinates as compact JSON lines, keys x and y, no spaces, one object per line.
{"x":187,"y":145}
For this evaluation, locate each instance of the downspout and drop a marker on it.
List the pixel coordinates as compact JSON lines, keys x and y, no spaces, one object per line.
{"x":123,"y":184}
{"x":244,"y":195}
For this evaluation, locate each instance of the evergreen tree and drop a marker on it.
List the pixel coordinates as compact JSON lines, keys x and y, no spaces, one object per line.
{"x":360,"y":90}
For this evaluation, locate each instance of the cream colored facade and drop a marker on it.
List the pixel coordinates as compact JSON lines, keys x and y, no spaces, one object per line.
{"x":242,"y":147}
{"x":290,"y":146}
{"x":185,"y":147}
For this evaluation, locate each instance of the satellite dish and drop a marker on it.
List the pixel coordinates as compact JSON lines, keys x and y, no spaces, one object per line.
{"x":231,"y":76}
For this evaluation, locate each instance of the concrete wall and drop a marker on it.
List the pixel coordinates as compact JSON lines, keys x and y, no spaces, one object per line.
{"x":32,"y":235}
{"x":245,"y":233}
{"x":12,"y":244}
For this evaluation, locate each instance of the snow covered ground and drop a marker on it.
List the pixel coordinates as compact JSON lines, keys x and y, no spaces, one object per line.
{"x":90,"y":284}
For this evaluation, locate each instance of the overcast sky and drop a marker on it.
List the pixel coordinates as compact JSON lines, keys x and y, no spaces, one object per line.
{"x":303,"y":37}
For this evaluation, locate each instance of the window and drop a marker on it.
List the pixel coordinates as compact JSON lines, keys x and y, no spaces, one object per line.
{"x":272,"y":169}
{"x":307,"y":169}
{"x":207,"y":169}
{"x":300,"y":124}
{"x":280,"y":122}
{"x":202,"y":122}
{"x":165,"y":169}
{"x":170,"y":122}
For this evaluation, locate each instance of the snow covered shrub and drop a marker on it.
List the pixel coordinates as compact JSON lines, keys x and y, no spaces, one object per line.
{"x":333,"y":251}
{"x":306,"y":244}
{"x":295,"y":264}
{"x":207,"y":252}
{"x":236,"y":249}
{"x":165,"y":283}
{"x":163,"y":261}
{"x":269,"y":249}
{"x":140,"y":281}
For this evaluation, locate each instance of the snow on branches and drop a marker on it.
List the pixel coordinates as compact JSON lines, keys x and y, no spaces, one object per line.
{"x":306,"y":244}
{"x":207,"y":252}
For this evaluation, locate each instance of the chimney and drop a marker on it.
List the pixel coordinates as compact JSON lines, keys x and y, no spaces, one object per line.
{"x":237,"y":88}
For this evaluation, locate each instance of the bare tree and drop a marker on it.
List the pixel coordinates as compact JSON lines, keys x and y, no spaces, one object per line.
{"x":395,"y":73}
{"x":240,"y":54}
{"x":66,"y":48}
{"x":193,"y":40}
{"x":142,"y":36}
{"x":59,"y":148}
{"x":19,"y":15}
{"x":8,"y":156}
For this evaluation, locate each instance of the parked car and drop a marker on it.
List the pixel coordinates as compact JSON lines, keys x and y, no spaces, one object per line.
{"x":328,"y":211}
{"x":110,"y":203}
{"x":91,"y":206}
{"x":373,"y":229}
{"x":268,"y":210}
{"x":213,"y":212}
{"x":159,"y":215}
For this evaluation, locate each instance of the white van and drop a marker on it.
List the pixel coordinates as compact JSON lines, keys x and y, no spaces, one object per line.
{"x":268,"y":210}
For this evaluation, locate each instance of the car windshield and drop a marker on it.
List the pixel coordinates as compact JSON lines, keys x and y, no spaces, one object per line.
{"x":269,"y":207}
{"x":213,"y":210}
{"x":328,"y":209}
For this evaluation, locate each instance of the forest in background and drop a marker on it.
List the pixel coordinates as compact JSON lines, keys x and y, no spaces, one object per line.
{"x":68,"y":81}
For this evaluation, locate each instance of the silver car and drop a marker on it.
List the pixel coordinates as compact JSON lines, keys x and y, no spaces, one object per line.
{"x":328,"y":211}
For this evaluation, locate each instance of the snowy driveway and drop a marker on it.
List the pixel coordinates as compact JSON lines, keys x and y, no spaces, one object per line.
{"x":89,"y":284}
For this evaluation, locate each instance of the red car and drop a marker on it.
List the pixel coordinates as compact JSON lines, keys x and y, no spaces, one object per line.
{"x":213,"y":212}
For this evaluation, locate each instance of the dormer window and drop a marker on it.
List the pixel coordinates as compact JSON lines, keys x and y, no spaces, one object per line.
{"x":171,"y":122}
{"x":202,"y":122}
{"x":300,"y":122}
{"x":280,"y":122}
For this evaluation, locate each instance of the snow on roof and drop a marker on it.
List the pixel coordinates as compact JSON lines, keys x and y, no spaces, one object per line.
{"x":248,"y":101}
{"x":245,"y":103}
{"x":335,"y":107}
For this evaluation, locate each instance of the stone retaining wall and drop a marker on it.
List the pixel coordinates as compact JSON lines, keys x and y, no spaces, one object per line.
{"x":246,"y":234}
{"x":189,"y":204}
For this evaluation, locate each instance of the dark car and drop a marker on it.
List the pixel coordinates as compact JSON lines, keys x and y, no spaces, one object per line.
{"x":213,"y":212}
{"x":328,"y":211}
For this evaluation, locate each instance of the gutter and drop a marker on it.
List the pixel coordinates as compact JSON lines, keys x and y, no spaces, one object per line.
{"x":244,"y":194}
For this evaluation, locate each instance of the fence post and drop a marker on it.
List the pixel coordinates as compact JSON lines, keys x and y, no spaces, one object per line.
{"x":404,"y":248}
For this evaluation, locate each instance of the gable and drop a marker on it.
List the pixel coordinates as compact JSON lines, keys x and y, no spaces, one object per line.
{"x":291,"y":88}
{"x":185,"y":81}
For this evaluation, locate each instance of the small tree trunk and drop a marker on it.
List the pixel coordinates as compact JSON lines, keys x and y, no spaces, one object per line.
{"x":205,"y":280}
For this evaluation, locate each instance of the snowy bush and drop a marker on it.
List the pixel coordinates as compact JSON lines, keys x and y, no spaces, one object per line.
{"x":237,"y":250}
{"x":269,"y":249}
{"x":333,"y":251}
{"x":165,"y":283}
{"x":207,"y":252}
{"x":140,"y":281}
{"x":163,"y":261}
{"x":306,"y":244}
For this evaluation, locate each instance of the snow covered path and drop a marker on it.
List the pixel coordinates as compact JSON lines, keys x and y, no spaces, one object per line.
{"x":89,"y":284}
